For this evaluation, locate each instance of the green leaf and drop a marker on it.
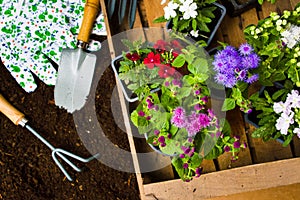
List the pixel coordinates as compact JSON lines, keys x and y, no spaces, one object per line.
{"x":178,"y":165}
{"x":178,"y":61}
{"x":196,"y":161}
{"x":160,"y":20}
{"x":229,"y":104}
{"x":200,"y":65}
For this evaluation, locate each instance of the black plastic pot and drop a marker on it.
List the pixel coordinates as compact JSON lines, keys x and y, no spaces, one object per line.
{"x":237,"y":7}
{"x":219,"y":13}
{"x":129,"y":95}
{"x":251,"y":117}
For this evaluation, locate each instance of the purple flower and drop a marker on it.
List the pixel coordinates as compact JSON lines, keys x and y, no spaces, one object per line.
{"x":204,"y":99}
{"x":185,"y":165}
{"x":156,"y":132}
{"x":161,"y":139}
{"x":197,"y":92}
{"x":198,"y":171}
{"x":198,"y":107}
{"x":162,"y":144}
{"x":178,"y":118}
{"x":167,"y":83}
{"x":226,"y":148}
{"x":181,"y":155}
{"x":150,"y":105}
{"x":251,"y":61}
{"x":204,"y":120}
{"x":237,"y":144}
{"x":148,"y":118}
{"x":245,"y":49}
{"x":252,"y":78}
{"x":242,"y":75}
{"x":141,"y":113}
{"x":237,"y":137}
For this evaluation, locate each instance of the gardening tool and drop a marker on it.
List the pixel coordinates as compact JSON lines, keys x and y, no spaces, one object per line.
{"x":18,"y":118}
{"x":77,"y":66}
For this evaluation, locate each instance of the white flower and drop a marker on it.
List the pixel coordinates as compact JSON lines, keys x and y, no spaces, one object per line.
{"x":279,"y":107}
{"x":297,"y":131}
{"x":163,"y":2}
{"x":293,"y":99}
{"x":170,"y":10}
{"x":291,"y":36}
{"x":194,"y":33}
{"x":283,"y":123}
{"x":188,"y":9}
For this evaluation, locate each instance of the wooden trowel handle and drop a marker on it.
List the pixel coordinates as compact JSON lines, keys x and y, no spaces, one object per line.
{"x":9,"y":111}
{"x":91,"y":10}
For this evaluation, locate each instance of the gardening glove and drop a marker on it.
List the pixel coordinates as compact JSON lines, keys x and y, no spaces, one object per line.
{"x":34,"y":33}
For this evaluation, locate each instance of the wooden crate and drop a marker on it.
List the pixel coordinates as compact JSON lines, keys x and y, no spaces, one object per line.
{"x":269,"y":169}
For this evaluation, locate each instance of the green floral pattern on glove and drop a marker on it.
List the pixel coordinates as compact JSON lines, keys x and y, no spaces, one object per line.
{"x":36,"y":31}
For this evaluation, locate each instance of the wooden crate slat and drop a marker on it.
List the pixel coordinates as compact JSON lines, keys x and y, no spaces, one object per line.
{"x":232,"y":181}
{"x":287,"y":192}
{"x":278,"y":7}
{"x":154,"y":9}
{"x":267,"y":151}
{"x":296,"y":146}
{"x":294,"y":3}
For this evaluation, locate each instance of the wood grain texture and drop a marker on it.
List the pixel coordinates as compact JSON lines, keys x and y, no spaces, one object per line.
{"x":9,"y":111}
{"x":226,"y":182}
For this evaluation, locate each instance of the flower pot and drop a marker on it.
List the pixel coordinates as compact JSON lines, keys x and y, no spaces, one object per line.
{"x":129,"y":95}
{"x":156,"y":149}
{"x":251,"y":117}
{"x":237,"y":7}
{"x":213,"y":26}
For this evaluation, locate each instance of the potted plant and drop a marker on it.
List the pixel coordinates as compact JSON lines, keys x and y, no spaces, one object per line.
{"x":276,"y":40}
{"x":179,"y":120}
{"x":199,"y":19}
{"x":236,"y":7}
{"x":277,"y":112}
{"x":234,"y":70}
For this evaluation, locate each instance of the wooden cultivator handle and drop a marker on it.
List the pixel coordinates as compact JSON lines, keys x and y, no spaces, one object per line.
{"x":11,"y":112}
{"x":91,"y":10}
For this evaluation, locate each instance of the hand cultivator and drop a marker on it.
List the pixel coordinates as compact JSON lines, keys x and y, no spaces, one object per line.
{"x":18,"y":118}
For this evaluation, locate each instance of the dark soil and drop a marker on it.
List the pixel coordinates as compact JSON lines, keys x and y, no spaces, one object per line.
{"x":27,"y":168}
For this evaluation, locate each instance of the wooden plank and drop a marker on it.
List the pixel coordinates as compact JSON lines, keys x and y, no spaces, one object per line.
{"x":227,"y":182}
{"x":278,"y":7}
{"x":296,"y":146}
{"x":232,"y":28}
{"x":154,"y":9}
{"x":287,"y":192}
{"x":124,"y":107}
{"x":208,"y":166}
{"x":294,"y":3}
{"x":267,"y":151}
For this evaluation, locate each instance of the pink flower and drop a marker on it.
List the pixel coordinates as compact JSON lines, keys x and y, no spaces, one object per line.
{"x":165,"y":71}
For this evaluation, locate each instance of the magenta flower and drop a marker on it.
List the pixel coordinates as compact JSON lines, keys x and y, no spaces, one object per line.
{"x":141,"y":113}
{"x":237,"y":144}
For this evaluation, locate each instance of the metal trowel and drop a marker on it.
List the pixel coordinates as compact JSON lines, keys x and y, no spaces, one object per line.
{"x":76,"y":68}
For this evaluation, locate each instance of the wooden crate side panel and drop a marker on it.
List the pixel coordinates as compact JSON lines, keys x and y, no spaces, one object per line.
{"x":287,"y":192}
{"x":227,"y":182}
